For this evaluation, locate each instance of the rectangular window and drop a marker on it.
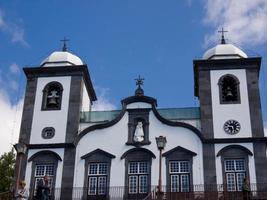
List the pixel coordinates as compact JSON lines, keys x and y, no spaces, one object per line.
{"x":235,"y":173}
{"x":138,"y":177}
{"x":97,"y":178}
{"x":179,"y":172}
{"x":40,"y":171}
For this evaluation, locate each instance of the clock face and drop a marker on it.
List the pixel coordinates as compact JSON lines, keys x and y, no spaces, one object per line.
{"x":232,"y":126}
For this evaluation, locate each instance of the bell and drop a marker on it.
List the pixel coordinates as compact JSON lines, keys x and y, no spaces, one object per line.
{"x":52,"y":101}
{"x":229,"y":92}
{"x":52,"y":98}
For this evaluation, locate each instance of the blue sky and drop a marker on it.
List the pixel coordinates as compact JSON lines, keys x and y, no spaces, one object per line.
{"x":120,"y":39}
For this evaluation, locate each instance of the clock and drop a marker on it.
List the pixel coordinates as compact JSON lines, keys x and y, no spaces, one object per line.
{"x":232,"y":127}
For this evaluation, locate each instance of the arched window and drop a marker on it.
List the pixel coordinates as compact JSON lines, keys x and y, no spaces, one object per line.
{"x":52,"y":96}
{"x":44,"y":163}
{"x":137,"y":173}
{"x":179,"y":172}
{"x":229,"y":89}
{"x":234,"y":159}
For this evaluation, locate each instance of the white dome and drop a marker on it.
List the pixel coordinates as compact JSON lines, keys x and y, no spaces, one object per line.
{"x":61,"y":58}
{"x":224,"y":51}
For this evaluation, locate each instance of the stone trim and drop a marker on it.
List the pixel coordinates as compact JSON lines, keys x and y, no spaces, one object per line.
{"x":78,"y":70}
{"x":50,"y":146}
{"x":179,"y":149}
{"x":130,"y":151}
{"x":98,"y":151}
{"x":43,"y":157}
{"x":45,"y":94}
{"x":239,"y":147}
{"x":137,"y":155}
{"x":238,"y":101}
{"x":178,"y":154}
{"x":46,"y":152}
{"x":96,"y":156}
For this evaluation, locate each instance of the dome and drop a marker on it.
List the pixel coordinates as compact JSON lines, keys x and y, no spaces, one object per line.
{"x":61,"y":58}
{"x":224,"y":51}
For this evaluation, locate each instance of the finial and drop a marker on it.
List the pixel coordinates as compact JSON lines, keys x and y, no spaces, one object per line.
{"x":65,"y":40}
{"x":223,"y":40}
{"x":139,"y":91}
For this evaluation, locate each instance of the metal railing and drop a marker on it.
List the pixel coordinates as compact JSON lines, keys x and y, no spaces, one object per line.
{"x":193,"y":192}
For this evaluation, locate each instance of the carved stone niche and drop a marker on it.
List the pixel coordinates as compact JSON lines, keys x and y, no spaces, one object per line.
{"x":138,"y":127}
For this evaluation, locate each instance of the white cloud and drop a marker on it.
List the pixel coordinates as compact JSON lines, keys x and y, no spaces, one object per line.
{"x":14,"y":68}
{"x":14,"y":30}
{"x":245,"y":21}
{"x":103,"y":102}
{"x":10,"y":117}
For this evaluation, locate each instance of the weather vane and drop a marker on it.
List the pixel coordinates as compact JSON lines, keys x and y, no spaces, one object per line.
{"x":222,"y":31}
{"x":139,"y":81}
{"x":65,"y":40}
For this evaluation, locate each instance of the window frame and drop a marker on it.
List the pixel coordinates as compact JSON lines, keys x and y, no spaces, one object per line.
{"x":45,"y":94}
{"x":237,"y":84}
{"x":235,"y":172}
{"x":98,"y":176}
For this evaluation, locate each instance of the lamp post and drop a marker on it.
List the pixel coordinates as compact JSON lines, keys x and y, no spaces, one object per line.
{"x":161,"y":142}
{"x":21,"y":149}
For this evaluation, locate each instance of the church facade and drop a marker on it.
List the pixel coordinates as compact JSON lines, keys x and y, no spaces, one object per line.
{"x":113,"y":154}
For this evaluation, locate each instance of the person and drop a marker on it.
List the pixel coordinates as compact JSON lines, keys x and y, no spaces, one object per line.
{"x":43,"y":189}
{"x":22,"y":193}
{"x":246,"y":189}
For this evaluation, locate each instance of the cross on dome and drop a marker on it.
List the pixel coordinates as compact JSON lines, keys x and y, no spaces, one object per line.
{"x":65,"y":40}
{"x":222,"y":31}
{"x":139,"y":81}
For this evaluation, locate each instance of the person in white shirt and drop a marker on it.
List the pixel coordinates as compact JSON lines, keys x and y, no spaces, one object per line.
{"x":22,"y":193}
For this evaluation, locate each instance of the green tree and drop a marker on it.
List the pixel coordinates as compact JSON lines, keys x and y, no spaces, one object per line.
{"x":7,"y":164}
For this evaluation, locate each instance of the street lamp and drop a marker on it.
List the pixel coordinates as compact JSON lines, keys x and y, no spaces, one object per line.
{"x":161,"y":143}
{"x":21,"y":149}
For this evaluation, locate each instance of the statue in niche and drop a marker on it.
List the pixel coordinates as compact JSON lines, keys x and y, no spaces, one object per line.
{"x":139,"y":132}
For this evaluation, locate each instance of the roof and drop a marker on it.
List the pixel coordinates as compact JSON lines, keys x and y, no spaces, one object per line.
{"x":168,"y":113}
{"x":224,"y":51}
{"x":61,"y":58}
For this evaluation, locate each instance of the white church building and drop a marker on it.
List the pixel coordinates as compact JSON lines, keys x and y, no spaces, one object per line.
{"x":113,"y":154}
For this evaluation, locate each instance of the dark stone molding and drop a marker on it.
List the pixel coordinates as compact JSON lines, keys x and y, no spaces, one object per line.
{"x":220,"y":82}
{"x":45,"y":94}
{"x":46,"y":152}
{"x":179,"y":149}
{"x":26,"y":123}
{"x":137,"y":155}
{"x":51,"y":146}
{"x":100,"y":126}
{"x":235,"y":140}
{"x":135,"y":116}
{"x":234,"y":153}
{"x":96,"y":156}
{"x":119,"y":117}
{"x":43,"y":158}
{"x":136,"y":150}
{"x":230,"y":147}
{"x":260,"y":164}
{"x":178,"y":154}
{"x":134,"y":99}
{"x":254,"y":103}
{"x":177,"y":124}
{"x":209,"y":166}
{"x":73,"y":119}
{"x":77,"y":70}
{"x":221,"y":64}
{"x":98,"y":151}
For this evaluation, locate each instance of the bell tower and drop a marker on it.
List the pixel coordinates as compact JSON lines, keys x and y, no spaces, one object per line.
{"x":56,"y":92}
{"x":227,"y":86}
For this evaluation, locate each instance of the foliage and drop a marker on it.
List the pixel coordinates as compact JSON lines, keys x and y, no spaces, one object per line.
{"x":7,"y":164}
